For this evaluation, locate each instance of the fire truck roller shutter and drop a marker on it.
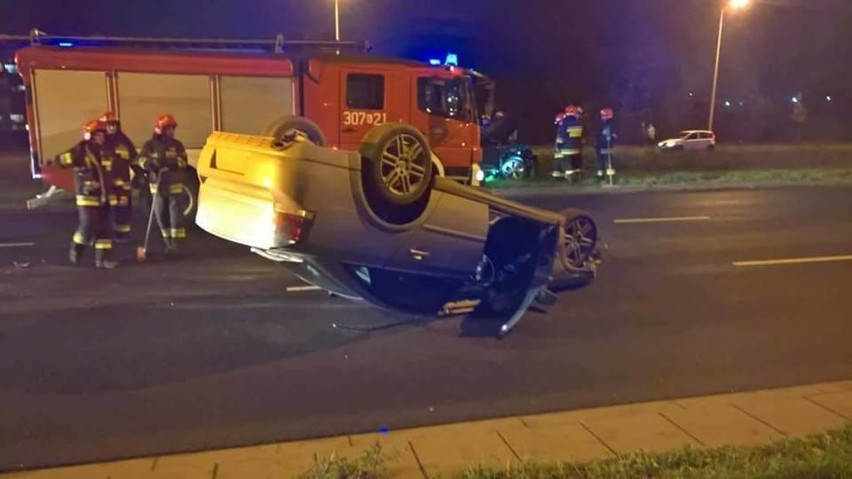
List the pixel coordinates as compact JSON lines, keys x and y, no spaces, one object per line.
{"x":144,"y":96}
{"x":250,"y":104}
{"x":65,"y":100}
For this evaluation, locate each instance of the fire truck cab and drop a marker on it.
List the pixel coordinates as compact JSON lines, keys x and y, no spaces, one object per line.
{"x":334,"y":90}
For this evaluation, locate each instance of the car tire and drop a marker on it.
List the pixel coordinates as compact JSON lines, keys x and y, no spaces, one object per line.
{"x":579,"y":239}
{"x":279,"y":128}
{"x":513,"y":167}
{"x":396,"y":164}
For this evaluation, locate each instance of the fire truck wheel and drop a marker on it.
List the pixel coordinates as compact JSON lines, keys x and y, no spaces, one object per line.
{"x":282,"y":125}
{"x":397,"y":163}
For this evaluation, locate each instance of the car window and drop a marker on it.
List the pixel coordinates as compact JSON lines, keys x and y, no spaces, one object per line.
{"x":692,"y":136}
{"x":441,"y":97}
{"x":365,"y":91}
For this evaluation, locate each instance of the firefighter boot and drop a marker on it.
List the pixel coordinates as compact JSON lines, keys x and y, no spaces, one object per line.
{"x":75,"y":253}
{"x":175,"y":248}
{"x":171,"y":246}
{"x":102,"y":260}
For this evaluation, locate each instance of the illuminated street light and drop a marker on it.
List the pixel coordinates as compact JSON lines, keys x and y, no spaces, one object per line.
{"x":337,"y":20}
{"x":733,"y":5}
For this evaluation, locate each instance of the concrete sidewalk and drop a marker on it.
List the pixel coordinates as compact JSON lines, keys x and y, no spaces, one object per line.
{"x":736,"y":419}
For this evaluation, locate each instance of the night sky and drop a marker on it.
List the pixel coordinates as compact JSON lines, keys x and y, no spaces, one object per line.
{"x":636,"y":55}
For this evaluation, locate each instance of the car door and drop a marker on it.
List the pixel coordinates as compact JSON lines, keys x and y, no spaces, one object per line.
{"x":692,"y":142}
{"x":369,"y":98}
{"x":450,"y":240}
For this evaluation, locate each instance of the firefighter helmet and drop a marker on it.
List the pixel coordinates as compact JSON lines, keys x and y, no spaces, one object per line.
{"x":607,"y":114}
{"x":93,"y":126}
{"x":109,"y":117}
{"x":163,"y":122}
{"x":572,"y":110}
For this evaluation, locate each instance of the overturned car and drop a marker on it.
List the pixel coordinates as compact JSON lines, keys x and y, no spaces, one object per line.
{"x":379,"y":225}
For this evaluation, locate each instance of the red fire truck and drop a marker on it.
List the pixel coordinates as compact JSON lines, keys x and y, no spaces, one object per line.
{"x":335,"y":91}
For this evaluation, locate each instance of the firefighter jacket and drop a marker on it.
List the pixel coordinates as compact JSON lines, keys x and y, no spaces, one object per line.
{"x":569,"y":135}
{"x":92,"y":177}
{"x":122,"y":156}
{"x":606,"y":138}
{"x":164,"y":152}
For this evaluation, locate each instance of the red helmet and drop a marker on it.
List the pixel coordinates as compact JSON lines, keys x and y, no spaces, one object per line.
{"x":607,"y":114}
{"x":93,"y":126}
{"x":109,"y":117}
{"x":164,"y":121}
{"x":572,"y":110}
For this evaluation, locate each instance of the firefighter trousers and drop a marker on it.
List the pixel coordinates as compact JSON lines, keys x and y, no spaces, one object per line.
{"x":567,"y":161}
{"x":169,"y":204}
{"x":606,"y":164}
{"x":94,"y":229}
{"x":121,"y":206}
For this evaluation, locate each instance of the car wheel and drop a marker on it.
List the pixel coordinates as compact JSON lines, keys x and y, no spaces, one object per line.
{"x":579,"y":239}
{"x":512,"y":168}
{"x":280,"y":128}
{"x":397,"y":164}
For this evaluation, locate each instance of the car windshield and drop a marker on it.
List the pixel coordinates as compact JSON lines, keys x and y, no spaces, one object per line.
{"x":684,"y":134}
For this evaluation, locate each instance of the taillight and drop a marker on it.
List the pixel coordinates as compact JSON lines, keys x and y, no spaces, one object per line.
{"x":293,"y":226}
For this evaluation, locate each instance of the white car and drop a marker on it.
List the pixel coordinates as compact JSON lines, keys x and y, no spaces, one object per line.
{"x":690,"y":140}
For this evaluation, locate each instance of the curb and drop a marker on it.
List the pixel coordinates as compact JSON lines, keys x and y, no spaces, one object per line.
{"x":737,"y":419}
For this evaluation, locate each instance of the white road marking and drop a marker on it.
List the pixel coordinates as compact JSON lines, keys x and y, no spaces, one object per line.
{"x":776,"y":262}
{"x":16,"y":245}
{"x":661,"y":220}
{"x":293,"y":289}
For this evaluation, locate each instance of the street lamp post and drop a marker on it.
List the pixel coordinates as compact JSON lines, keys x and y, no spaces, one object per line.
{"x":734,"y":5}
{"x":337,"y":20}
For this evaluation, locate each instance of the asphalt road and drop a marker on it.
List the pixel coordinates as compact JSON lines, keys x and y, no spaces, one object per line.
{"x":212,"y":351}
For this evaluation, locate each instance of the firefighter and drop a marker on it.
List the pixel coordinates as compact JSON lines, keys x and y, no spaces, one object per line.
{"x":164,"y":160}
{"x":604,"y":145}
{"x":92,"y":182}
{"x":568,"y":153}
{"x":122,"y":154}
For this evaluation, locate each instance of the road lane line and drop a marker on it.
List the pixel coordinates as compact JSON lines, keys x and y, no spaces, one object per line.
{"x":16,"y":245}
{"x":660,"y":220}
{"x":293,"y":289}
{"x":776,"y":262}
